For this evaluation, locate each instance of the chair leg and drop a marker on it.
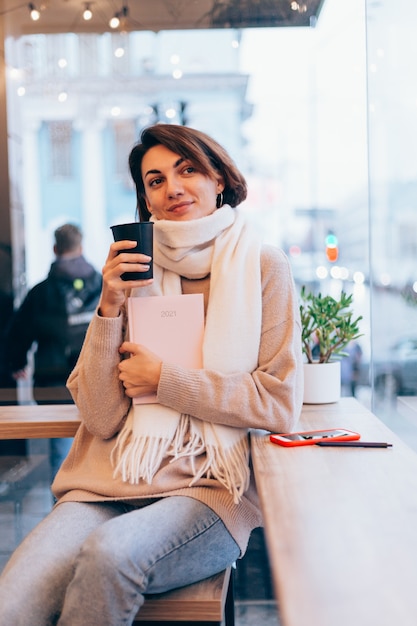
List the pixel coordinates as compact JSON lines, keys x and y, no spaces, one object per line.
{"x":229,"y":609}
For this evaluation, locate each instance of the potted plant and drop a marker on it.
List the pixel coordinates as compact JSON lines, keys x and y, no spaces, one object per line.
{"x":327,"y":327}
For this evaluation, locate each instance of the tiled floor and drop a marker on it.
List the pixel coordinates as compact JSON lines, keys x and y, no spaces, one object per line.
{"x":255,"y":613}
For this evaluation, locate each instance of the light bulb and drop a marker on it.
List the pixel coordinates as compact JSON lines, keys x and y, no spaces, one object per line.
{"x":114,"y":22}
{"x":87,"y":15}
{"x":34,"y":13}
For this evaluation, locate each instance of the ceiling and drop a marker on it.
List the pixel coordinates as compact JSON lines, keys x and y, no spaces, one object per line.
{"x":57,"y":16}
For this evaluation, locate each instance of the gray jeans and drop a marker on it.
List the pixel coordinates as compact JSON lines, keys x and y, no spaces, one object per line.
{"x":90,"y":563}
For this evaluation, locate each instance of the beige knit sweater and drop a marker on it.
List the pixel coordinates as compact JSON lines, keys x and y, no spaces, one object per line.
{"x":270,"y":398}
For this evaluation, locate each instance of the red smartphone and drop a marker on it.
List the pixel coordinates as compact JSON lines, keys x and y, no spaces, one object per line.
{"x":314,"y":436}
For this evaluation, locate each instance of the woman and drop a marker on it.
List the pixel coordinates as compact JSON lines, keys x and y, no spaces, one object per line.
{"x":153,"y":497}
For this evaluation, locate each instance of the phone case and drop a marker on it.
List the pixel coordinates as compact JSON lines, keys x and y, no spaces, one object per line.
{"x":330,"y":434}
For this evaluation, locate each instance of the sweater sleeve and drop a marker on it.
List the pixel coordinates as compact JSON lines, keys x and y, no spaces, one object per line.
{"x":94,"y":383}
{"x":270,"y":397}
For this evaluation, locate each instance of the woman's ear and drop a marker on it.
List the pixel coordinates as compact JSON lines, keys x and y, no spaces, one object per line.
{"x":220,"y":184}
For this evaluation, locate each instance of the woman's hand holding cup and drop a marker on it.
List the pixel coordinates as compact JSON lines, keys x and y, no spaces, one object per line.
{"x":120,"y":263}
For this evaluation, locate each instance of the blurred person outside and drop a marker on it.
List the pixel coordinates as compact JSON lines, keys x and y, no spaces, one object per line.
{"x":8,"y":389}
{"x":55,"y":315}
{"x":6,"y":313}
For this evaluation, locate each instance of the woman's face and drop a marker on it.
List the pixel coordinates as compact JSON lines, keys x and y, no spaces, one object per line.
{"x":174,"y":189}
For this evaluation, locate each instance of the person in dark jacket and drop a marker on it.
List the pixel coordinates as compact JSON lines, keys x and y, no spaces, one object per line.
{"x":53,"y":318}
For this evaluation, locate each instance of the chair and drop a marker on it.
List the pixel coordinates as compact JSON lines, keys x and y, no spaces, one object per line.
{"x":209,"y":602}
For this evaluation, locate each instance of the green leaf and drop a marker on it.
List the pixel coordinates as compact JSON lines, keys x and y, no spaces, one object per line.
{"x":328,"y":323}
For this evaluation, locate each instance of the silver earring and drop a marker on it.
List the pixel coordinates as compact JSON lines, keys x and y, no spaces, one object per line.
{"x":219,"y":200}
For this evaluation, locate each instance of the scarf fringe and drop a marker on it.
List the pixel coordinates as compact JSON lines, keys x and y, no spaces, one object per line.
{"x":230,"y":468}
{"x":195,"y":444}
{"x":136,"y":458}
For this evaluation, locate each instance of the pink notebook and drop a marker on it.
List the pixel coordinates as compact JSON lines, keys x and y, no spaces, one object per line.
{"x":170,"y":326}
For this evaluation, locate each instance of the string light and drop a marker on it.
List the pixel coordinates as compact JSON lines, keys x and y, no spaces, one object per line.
{"x":115,"y":21}
{"x":88,"y":14}
{"x":119,"y":17}
{"x":34,"y":13}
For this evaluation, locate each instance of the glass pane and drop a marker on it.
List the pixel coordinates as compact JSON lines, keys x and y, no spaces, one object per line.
{"x":393,"y":194}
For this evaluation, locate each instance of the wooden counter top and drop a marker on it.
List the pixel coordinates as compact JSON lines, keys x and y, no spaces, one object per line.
{"x":38,"y":421}
{"x":341,"y":523}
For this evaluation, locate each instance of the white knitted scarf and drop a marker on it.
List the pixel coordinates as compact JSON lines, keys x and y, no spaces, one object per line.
{"x":221,"y":245}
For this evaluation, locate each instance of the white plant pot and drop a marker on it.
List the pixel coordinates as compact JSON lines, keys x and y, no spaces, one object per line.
{"x":322,"y":383}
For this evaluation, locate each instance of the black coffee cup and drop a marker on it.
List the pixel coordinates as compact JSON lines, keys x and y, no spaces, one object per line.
{"x":142,"y":233}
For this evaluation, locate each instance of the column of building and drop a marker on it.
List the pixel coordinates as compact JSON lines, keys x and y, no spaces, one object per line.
{"x":94,"y":223}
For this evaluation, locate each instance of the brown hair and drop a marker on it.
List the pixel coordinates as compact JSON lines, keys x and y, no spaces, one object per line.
{"x":67,"y":238}
{"x":203,"y":151}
